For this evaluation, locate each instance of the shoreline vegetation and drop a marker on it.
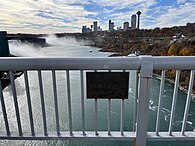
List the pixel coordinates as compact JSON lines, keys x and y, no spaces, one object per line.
{"x":173,"y":41}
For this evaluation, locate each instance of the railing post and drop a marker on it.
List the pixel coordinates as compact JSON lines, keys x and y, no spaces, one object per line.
{"x":4,"y":47}
{"x":143,"y":99}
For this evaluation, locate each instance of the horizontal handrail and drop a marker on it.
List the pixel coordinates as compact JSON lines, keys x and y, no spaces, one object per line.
{"x":173,"y":62}
{"x":79,"y":63}
{"x":46,"y":63}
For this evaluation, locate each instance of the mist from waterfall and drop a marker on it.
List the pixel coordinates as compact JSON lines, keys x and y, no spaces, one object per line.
{"x":66,"y":41}
{"x":17,"y":48}
{"x":20,"y":49}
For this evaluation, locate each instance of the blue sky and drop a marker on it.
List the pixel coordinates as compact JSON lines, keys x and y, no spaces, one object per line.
{"x":51,"y":16}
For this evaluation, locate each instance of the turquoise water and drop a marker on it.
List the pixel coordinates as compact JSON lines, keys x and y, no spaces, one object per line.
{"x":84,"y":51}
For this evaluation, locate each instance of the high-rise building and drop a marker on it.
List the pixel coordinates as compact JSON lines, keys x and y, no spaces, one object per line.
{"x":126,"y":26}
{"x":111,"y":25}
{"x":95,"y":26}
{"x":133,"y":21}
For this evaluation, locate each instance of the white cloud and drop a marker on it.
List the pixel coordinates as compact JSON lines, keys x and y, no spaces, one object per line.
{"x":176,"y":16}
{"x":121,"y":4}
{"x":181,"y":1}
{"x":50,"y":15}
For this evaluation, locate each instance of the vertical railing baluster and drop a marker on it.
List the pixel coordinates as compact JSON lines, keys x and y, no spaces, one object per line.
{"x":4,"y":110}
{"x":29,"y":103}
{"x":96,"y":117}
{"x":69,"y":102}
{"x":160,"y":102}
{"x":42,"y":102}
{"x":174,"y":102}
{"x":82,"y":102}
{"x":187,"y":107}
{"x":96,"y":114}
{"x":122,"y":117}
{"x":56,"y":102}
{"x":108,"y":114}
{"x":136,"y":98}
{"x":16,"y":102}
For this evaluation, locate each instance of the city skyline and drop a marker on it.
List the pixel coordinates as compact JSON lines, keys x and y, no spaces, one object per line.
{"x":52,"y":16}
{"x":133,"y":24}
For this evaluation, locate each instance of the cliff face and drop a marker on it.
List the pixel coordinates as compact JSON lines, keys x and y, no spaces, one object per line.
{"x":36,"y":40}
{"x":141,"y":46}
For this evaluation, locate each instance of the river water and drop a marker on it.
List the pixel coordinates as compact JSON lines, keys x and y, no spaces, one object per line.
{"x":76,"y":50}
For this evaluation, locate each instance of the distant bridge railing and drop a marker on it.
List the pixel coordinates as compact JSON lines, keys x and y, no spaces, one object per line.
{"x":144,"y":66}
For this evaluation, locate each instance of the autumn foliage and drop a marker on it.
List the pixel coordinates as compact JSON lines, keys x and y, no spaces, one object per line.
{"x":186,"y":51}
{"x":173,"y":50}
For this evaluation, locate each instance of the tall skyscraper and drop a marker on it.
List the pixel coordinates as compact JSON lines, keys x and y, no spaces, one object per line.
{"x":133,"y":21}
{"x":95,"y":26}
{"x":111,"y":25}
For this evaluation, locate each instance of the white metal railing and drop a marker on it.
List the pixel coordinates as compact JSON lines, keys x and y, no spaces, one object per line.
{"x":144,"y":65}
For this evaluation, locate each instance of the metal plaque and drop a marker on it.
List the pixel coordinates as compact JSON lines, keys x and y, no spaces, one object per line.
{"x":107,"y":85}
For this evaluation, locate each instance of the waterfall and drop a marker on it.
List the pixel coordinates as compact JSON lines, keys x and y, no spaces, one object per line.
{"x":17,"y":48}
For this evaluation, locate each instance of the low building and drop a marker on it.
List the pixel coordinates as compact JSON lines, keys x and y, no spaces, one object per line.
{"x":85,"y":29}
{"x":99,"y":28}
{"x":119,"y":28}
{"x":126,"y":26}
